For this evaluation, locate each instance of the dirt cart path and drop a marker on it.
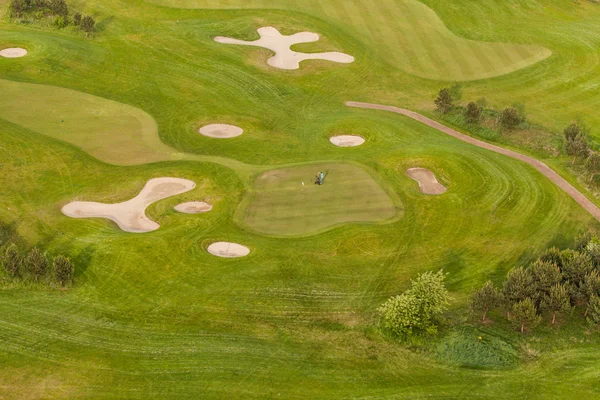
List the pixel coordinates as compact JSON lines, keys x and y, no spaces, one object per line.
{"x":540,"y":166}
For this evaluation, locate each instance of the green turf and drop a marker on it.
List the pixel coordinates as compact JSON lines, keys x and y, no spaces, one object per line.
{"x":156,"y":316}
{"x":405,"y":33}
{"x":287,"y":202}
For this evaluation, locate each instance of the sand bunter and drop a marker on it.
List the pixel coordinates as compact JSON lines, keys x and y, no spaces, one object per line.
{"x":228,"y":250}
{"x":13,"y":52}
{"x":221,"y":131}
{"x":427,"y":181}
{"x":130,"y":215}
{"x":347,"y":140}
{"x":193,"y":207}
{"x":285,"y":57}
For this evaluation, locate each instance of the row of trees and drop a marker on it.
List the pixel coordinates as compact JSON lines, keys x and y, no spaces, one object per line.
{"x":509,"y":118}
{"x":559,"y":282}
{"x":56,"y":9}
{"x":34,"y":265}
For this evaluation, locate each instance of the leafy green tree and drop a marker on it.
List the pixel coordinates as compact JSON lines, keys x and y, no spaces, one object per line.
{"x":518,"y":285}
{"x":17,"y":8}
{"x":63,"y":270}
{"x":544,"y":275}
{"x":485,"y":299}
{"x":59,"y":7}
{"x":578,"y":147}
{"x":416,"y":308}
{"x":12,"y":259}
{"x":510,"y":118}
{"x":524,"y":314}
{"x":592,"y":249}
{"x":553,"y":256}
{"x":444,"y":101}
{"x":575,"y":265}
{"x":36,"y":263}
{"x":572,"y":131}
{"x":77,"y":19}
{"x":473,"y":112}
{"x":88,"y":24}
{"x":590,"y":287}
{"x":594,"y":314}
{"x":592,"y":163}
{"x":557,"y":300}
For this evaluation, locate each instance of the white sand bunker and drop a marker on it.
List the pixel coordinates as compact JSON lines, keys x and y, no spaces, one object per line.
{"x":130,"y":215}
{"x":427,"y":181}
{"x":347,"y":140}
{"x":286,"y":58}
{"x":193,"y":207}
{"x":221,"y":131}
{"x":228,"y":250}
{"x":13,"y":52}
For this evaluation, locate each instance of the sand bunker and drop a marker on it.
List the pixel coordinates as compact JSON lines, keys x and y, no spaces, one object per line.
{"x":286,"y":58}
{"x":130,"y":215}
{"x":13,"y":52}
{"x":193,"y":207}
{"x":427,"y":181}
{"x":228,"y":250}
{"x":347,"y":140}
{"x":221,"y":131}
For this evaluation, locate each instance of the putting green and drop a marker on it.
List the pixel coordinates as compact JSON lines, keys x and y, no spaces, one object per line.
{"x":112,"y":132}
{"x":280,"y":205}
{"x":406,"y":33}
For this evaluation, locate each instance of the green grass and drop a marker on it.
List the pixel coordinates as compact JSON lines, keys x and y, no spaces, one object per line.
{"x":156,"y":316}
{"x":287,"y":202}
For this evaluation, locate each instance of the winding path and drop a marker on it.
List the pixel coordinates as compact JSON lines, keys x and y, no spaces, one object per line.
{"x":540,"y":166}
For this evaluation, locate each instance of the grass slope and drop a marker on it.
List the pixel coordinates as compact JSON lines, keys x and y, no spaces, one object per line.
{"x":286,"y":202}
{"x":156,"y":316}
{"x":405,"y":33}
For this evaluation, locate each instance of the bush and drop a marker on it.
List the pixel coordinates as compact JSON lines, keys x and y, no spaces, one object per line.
{"x":473,"y":113}
{"x":510,"y":118}
{"x":415,"y":310}
{"x":444,"y":101}
{"x":12,"y":259}
{"x":36,"y":263}
{"x":59,"y":22}
{"x":63,"y":270}
{"x":88,"y":24}
{"x":77,"y":19}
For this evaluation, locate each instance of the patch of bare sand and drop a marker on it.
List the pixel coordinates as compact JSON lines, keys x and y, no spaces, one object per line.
{"x":193,"y":207}
{"x":347,"y":140}
{"x":228,"y":250}
{"x":221,"y":131}
{"x":13,"y":52}
{"x":285,"y":57}
{"x":130,"y":215}
{"x":427,"y":181}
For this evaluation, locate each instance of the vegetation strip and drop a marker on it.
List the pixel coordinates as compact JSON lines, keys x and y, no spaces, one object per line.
{"x":540,"y":166}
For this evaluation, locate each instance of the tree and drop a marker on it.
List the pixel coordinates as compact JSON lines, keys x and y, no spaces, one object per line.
{"x":12,"y":259}
{"x":473,"y":112}
{"x":444,"y":101}
{"x":572,"y":131}
{"x":552,"y":255}
{"x":59,"y":7}
{"x":88,"y":24}
{"x":485,"y":299}
{"x":557,"y":300}
{"x":575,"y":265}
{"x":518,"y":285}
{"x":63,"y":270}
{"x":510,"y":118}
{"x":416,"y":308}
{"x":577,"y":147}
{"x":524,"y":314}
{"x":545,"y":275}
{"x":594,"y":314}
{"x":590,"y":287}
{"x":36,"y":263}
{"x":592,"y":163}
{"x":17,"y":7}
{"x":77,"y":19}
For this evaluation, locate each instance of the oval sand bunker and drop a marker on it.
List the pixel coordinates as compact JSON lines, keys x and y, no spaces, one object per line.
{"x":193,"y":207}
{"x":427,"y":181}
{"x":13,"y":52}
{"x":221,"y":131}
{"x":228,"y":250}
{"x":130,"y":215}
{"x":347,"y":140}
